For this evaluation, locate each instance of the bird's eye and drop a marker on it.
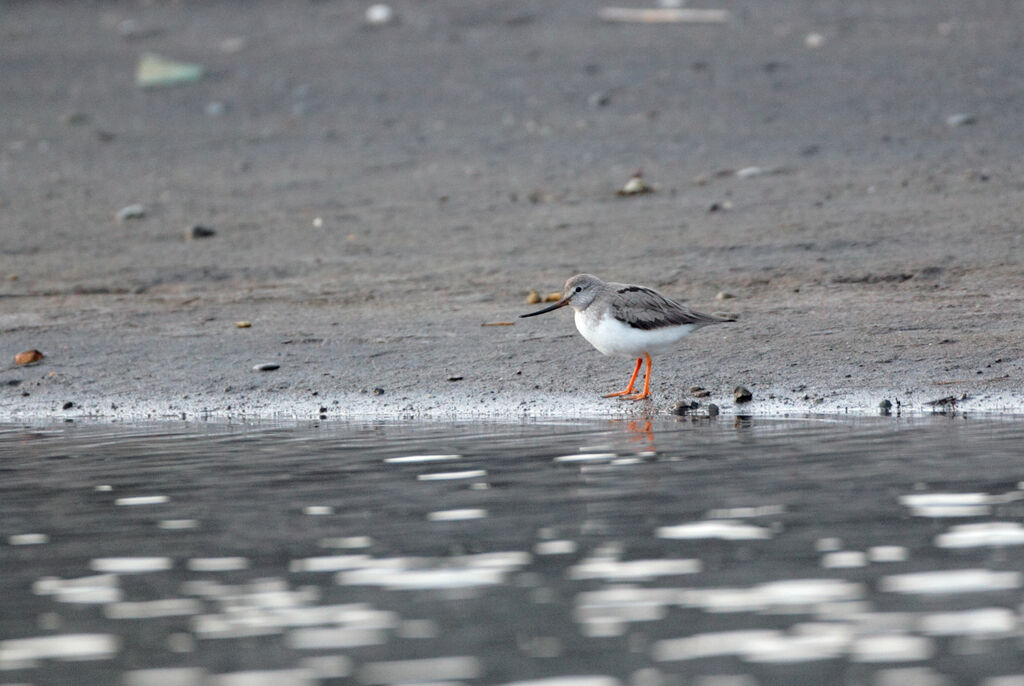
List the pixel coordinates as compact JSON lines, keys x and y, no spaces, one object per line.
{"x":579,"y":288}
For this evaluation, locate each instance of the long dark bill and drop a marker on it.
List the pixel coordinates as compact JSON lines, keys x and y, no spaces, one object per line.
{"x":561,"y":303}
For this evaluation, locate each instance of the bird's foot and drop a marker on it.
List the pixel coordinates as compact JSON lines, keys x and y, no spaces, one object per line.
{"x":639,"y":396}
{"x":618,"y":394}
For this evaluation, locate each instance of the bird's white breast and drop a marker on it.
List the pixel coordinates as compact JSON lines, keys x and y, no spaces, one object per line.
{"x":612,"y":337}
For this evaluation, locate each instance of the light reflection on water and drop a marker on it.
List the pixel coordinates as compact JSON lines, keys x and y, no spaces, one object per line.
{"x":598,"y":553}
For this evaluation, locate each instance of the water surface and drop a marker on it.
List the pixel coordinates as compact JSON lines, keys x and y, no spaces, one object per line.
{"x":720,"y":553}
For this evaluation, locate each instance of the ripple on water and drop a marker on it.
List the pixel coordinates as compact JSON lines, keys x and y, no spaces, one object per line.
{"x":148,"y":609}
{"x":96,"y":589}
{"x":623,"y":604}
{"x":420,"y":459}
{"x":334,"y":638}
{"x":569,"y":680}
{"x":844,"y":559}
{"x":23,"y":653}
{"x":887,"y":648}
{"x":456,"y":515}
{"x":888,"y":553}
{"x":452,"y":476}
{"x":412,"y":671}
{"x":555,"y":547}
{"x":130,"y":565}
{"x":777,"y":597}
{"x":724,"y":529}
{"x":279,"y":677}
{"x":346,"y":542}
{"x":586,"y":457}
{"x":712,"y":644}
{"x":745,"y":512}
{"x":178,"y":524}
{"x":328,"y":563}
{"x":987,"y":534}
{"x":137,"y":500}
{"x":991,"y":622}
{"x":951,"y":581}
{"x":169,"y":676}
{"x":939,"y":505}
{"x":803,"y":643}
{"x":464,"y":571}
{"x":617,"y":570}
{"x":1008,"y":680}
{"x":217,"y":564}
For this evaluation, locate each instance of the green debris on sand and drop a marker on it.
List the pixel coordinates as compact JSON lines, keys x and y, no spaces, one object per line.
{"x":154,"y":71}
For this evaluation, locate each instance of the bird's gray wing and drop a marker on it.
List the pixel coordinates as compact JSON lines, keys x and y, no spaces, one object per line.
{"x":643,"y":308}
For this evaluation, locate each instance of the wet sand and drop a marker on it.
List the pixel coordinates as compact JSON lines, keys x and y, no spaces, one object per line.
{"x":380,"y":193}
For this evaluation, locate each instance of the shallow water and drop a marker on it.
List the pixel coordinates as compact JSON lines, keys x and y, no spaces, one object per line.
{"x":720,"y":553}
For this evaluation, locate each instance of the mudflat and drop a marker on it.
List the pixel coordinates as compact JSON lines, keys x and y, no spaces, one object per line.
{"x":850,"y":172}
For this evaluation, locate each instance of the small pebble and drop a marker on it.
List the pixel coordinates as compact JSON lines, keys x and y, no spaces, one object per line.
{"x":635,"y":186}
{"x":455,"y":378}
{"x":243,"y":324}
{"x":722,"y":295}
{"x":379,"y":15}
{"x":694,"y":389}
{"x":599,"y":99}
{"x":28,"y":357}
{"x":378,"y":391}
{"x":532,"y":298}
{"x":131,"y":212}
{"x":742,"y":394}
{"x":215,"y":108}
{"x":129,"y":28}
{"x":68,"y":405}
{"x":683,"y":407}
{"x":712,"y":410}
{"x":266,"y":367}
{"x":232,"y":45}
{"x":955,"y":120}
{"x":885,"y":405}
{"x":748,"y":172}
{"x":553,"y":297}
{"x":75,"y":118}
{"x":702,"y":393}
{"x":814,"y":40}
{"x":199,"y":231}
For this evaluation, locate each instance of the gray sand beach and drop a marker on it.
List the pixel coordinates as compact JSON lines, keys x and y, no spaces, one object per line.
{"x":849,"y":172}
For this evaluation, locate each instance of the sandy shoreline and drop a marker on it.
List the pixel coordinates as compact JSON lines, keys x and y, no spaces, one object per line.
{"x":379,"y":194}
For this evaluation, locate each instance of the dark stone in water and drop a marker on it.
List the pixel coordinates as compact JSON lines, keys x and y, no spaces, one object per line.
{"x":199,"y":231}
{"x":683,"y":407}
{"x":742,"y":394}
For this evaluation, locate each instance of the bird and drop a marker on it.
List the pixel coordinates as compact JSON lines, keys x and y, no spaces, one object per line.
{"x":628,"y":320}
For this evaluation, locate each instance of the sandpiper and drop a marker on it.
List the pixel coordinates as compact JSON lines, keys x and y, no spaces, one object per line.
{"x":629,"y":321}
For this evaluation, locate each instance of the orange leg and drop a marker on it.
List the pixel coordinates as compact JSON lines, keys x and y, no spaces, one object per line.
{"x":646,"y":393}
{"x":629,"y":388}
